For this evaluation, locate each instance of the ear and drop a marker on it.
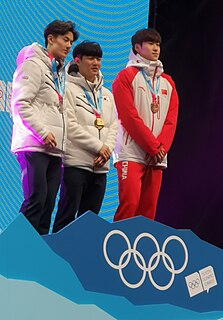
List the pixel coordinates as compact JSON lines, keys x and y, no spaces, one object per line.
{"x":137,"y":47}
{"x":50,"y":39}
{"x":77,"y":61}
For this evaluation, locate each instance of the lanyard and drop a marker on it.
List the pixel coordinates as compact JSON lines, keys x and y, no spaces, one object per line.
{"x":96,"y":108}
{"x":59,"y":81}
{"x":154,"y":91}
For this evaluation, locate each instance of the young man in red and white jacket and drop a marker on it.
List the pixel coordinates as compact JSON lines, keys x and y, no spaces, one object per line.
{"x":147,"y":106}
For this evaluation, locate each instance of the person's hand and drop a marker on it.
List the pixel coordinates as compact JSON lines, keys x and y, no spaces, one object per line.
{"x":160,"y":155}
{"x":105,"y":152}
{"x":157,"y":158}
{"x":99,"y":161}
{"x":152,"y":161}
{"x":50,"y":141}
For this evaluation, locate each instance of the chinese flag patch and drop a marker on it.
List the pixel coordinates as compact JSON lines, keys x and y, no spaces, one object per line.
{"x":164,"y":91}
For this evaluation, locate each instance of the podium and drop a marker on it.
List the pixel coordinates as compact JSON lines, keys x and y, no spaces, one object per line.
{"x":93,"y":269}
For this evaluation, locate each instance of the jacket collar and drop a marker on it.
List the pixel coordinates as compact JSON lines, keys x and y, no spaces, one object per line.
{"x":149,"y":67}
{"x":35,"y":50}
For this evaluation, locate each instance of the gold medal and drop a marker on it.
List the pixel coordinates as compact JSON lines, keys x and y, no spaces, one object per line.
{"x":154,"y":107}
{"x":99,"y":123}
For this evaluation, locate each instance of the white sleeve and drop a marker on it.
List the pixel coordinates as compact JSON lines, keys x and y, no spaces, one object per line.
{"x":26,"y":85}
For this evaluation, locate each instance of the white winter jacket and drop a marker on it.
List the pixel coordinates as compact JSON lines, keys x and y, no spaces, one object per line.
{"x":84,"y":140}
{"x":35,"y":103}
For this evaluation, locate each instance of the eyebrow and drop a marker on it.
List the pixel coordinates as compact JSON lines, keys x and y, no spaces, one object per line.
{"x":67,"y":38}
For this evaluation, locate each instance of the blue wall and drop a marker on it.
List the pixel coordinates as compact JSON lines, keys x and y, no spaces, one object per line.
{"x":111,"y":23}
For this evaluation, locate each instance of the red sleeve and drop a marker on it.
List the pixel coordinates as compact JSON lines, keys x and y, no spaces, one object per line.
{"x":168,"y":131}
{"x":128,"y":114}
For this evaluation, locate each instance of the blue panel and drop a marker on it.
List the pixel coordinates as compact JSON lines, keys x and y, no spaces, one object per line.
{"x":25,"y":256}
{"x":142,"y":260}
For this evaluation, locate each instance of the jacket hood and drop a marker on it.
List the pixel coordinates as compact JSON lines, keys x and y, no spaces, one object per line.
{"x":135,"y":60}
{"x":31,"y":51}
{"x":76,"y":78}
{"x":35,"y":50}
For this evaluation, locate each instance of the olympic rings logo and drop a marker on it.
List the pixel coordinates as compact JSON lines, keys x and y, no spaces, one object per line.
{"x":140,"y":261}
{"x":194,"y":284}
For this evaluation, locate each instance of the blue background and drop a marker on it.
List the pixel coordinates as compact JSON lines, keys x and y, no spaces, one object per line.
{"x":111,"y":23}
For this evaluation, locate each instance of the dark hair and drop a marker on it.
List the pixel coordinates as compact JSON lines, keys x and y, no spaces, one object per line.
{"x":87,"y":48}
{"x":58,"y":27}
{"x":145,"y":35}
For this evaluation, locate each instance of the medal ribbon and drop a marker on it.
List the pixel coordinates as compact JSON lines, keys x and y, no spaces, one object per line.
{"x":59,"y":81}
{"x":96,"y":108}
{"x":153,"y":91}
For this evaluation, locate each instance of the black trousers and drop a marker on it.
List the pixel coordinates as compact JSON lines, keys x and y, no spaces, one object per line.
{"x":41,"y":174}
{"x":81,"y":190}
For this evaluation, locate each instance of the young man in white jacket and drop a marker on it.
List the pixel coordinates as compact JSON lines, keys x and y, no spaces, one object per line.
{"x":92,"y":130}
{"x":39,"y":130}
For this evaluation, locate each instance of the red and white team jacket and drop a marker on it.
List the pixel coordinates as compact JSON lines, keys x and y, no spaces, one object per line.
{"x":141,"y":132}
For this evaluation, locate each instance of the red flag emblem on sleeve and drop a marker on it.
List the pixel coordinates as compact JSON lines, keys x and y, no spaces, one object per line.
{"x":164,"y":91}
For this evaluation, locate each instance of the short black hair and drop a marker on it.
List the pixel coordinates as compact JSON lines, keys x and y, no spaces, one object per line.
{"x":87,"y":48}
{"x":145,"y":35}
{"x":59,"y":27}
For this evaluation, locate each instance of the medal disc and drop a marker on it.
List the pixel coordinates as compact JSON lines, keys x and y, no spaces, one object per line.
{"x":154,"y":107}
{"x":99,"y":123}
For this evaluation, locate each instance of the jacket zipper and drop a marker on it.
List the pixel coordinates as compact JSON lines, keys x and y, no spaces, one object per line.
{"x":153,"y":80}
{"x":63,"y":132}
{"x":99,"y":134}
{"x":95,"y":102}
